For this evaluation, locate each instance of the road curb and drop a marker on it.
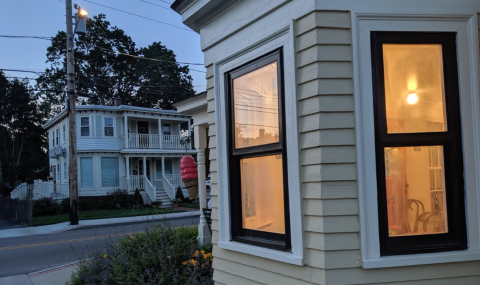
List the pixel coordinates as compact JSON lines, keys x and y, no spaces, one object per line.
{"x":86,"y":227}
{"x":60,"y":267}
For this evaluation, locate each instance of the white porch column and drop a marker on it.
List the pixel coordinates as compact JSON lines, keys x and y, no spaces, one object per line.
{"x":189,"y":133}
{"x":125,"y":119}
{"x":127,"y":159}
{"x":160,"y":133}
{"x":204,"y":235}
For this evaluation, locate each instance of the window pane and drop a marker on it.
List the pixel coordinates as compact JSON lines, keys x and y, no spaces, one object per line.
{"x":262,"y":194}
{"x":84,"y":121}
{"x":86,"y":172}
{"x":255,"y":98}
{"x":109,"y":171}
{"x":84,"y":131}
{"x":414,"y":89}
{"x":415,"y":190}
{"x":108,"y":122}
{"x":168,"y":166}
{"x":109,"y":131}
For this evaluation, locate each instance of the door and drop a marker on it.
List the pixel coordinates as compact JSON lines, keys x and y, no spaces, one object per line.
{"x":142,"y":127}
{"x":140,"y":168}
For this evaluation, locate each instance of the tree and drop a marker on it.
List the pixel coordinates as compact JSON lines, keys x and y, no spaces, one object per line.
{"x":106,"y":75}
{"x":22,"y":140}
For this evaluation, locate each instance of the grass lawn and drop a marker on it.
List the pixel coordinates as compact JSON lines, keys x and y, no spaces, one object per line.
{"x":101,"y":214}
{"x":190,"y":205}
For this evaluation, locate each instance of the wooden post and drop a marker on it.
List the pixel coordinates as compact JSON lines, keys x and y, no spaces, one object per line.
{"x":72,"y":150}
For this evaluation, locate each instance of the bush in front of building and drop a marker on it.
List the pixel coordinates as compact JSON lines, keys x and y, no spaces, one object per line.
{"x":46,"y":207}
{"x":137,"y":199}
{"x":120,"y":199}
{"x":161,"y":255}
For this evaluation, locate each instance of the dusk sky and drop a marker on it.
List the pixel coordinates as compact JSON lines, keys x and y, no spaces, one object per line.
{"x":45,"y":18}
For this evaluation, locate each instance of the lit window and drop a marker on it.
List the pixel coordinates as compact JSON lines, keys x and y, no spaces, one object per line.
{"x":84,"y":126}
{"x":418,"y":143}
{"x":257,"y":154}
{"x":108,"y":132}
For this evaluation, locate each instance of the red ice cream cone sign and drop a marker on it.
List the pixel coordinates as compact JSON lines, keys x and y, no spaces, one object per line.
{"x":188,"y":169}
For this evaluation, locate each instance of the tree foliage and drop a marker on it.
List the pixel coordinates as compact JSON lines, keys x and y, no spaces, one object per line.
{"x":22,"y":139}
{"x":106,"y":75}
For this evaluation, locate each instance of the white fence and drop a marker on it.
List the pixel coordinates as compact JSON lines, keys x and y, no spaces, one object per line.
{"x":146,"y":141}
{"x":41,"y":189}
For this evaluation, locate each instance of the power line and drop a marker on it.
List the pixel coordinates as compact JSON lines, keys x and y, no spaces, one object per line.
{"x":26,"y":37}
{"x":140,"y":16}
{"x":154,"y":59}
{"x":19,"y":70}
{"x":169,"y":3}
{"x":168,"y":8}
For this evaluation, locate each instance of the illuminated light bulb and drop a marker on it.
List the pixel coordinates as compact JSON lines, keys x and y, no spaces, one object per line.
{"x":83,"y":12}
{"x":412,"y":98}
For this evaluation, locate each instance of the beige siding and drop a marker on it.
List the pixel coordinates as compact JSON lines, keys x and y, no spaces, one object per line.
{"x":326,"y":125}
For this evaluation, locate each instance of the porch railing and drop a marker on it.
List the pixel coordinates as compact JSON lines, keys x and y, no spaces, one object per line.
{"x":150,"y":189}
{"x":133,"y":182}
{"x":146,"y":141}
{"x":168,"y":188}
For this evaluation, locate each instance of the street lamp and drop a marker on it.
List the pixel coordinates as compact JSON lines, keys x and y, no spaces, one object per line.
{"x":80,"y":20}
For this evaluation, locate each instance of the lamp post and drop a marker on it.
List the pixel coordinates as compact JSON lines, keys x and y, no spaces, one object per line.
{"x":72,"y":150}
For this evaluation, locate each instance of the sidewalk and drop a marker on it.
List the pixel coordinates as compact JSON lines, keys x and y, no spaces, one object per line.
{"x":65,"y":226}
{"x":53,"y":276}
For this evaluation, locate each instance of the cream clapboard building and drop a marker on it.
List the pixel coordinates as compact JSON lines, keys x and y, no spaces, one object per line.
{"x":344,"y":139}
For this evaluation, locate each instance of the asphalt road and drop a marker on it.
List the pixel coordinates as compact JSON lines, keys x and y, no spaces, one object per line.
{"x":27,"y":254}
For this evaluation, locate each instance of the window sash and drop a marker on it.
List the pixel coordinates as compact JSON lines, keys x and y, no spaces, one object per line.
{"x":85,"y":126}
{"x":108,"y":127}
{"x":450,"y":140}
{"x":109,"y":171}
{"x":240,"y":234}
{"x":86,"y":172}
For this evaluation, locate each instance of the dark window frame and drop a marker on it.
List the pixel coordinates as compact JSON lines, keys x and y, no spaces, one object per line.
{"x":239,"y":234}
{"x":451,"y":140}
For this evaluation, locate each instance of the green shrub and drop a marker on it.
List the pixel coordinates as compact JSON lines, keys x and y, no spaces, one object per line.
{"x":179,"y":194}
{"x":119,"y":199}
{"x":45,"y":207}
{"x":161,"y":255}
{"x":65,"y":205}
{"x":102,"y":204}
{"x":83,"y":204}
{"x":137,"y":199}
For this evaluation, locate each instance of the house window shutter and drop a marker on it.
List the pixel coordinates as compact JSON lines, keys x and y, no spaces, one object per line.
{"x":86,"y":172}
{"x":109,"y":171}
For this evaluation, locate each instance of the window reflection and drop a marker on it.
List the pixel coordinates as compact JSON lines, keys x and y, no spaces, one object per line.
{"x":262,"y":194}
{"x":256,"y":107}
{"x":415,"y":183}
{"x":414,"y":88}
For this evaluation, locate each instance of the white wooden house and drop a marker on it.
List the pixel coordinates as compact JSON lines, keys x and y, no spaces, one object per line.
{"x":344,"y":139}
{"x":121,"y":147}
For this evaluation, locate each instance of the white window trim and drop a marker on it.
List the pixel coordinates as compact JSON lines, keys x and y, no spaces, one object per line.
{"x":90,"y":124}
{"x":100,"y":172}
{"x":282,"y":38}
{"x":103,"y":127}
{"x":467,"y":29}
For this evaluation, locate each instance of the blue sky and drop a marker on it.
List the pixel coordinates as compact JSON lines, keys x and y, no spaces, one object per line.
{"x":47,"y":17}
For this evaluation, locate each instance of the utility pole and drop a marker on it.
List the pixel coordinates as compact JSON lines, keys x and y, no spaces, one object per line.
{"x":72,"y":149}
